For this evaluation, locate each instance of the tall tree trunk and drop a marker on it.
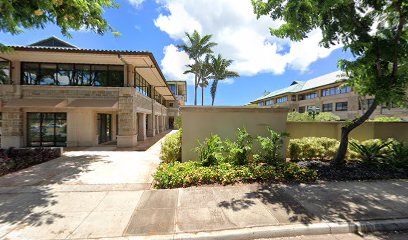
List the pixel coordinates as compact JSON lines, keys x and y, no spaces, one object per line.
{"x":339,"y":160}
{"x":195,"y":90}
{"x":202,"y":95}
{"x":213,"y":91}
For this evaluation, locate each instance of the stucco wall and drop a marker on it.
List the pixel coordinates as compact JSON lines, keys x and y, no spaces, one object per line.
{"x":368,"y":130}
{"x":199,"y":122}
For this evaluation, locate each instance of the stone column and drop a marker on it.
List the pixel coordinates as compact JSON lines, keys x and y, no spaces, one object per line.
{"x":127,"y":134}
{"x":157,"y":124}
{"x":151,"y":132}
{"x":12,"y":129}
{"x":163,"y":123}
{"x":141,"y":136}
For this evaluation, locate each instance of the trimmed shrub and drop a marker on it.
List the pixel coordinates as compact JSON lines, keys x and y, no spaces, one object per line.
{"x":177,"y":122}
{"x":312,"y":148}
{"x":386,"y":119}
{"x":171,"y":148}
{"x":14,"y":159}
{"x":304,"y":117}
{"x":194,"y":173}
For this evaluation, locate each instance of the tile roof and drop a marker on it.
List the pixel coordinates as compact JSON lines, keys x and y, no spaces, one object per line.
{"x":299,"y":86}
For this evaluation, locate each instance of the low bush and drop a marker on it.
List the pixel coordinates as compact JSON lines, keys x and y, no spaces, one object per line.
{"x":386,"y":119}
{"x":171,"y":148}
{"x":271,"y":147}
{"x":187,"y":174}
{"x":304,"y":117}
{"x":370,"y":153}
{"x":398,"y":155}
{"x":312,"y":148}
{"x":210,"y":151}
{"x":177,"y":122}
{"x":14,"y":159}
{"x":238,"y":151}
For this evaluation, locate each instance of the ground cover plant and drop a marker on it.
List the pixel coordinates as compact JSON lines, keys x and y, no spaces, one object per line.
{"x":14,"y":159}
{"x":233,"y":161}
{"x":370,"y":159}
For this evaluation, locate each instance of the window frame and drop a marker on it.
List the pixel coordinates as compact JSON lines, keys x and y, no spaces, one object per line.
{"x":74,"y":70}
{"x":341,"y":109}
{"x":327,"y":104}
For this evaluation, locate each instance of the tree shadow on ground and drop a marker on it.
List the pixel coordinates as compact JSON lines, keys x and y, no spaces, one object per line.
{"x":25,"y":193}
{"x":330,"y":201}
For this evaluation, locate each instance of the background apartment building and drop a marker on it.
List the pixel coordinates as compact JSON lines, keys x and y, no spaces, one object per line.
{"x":53,"y":93}
{"x":329,"y":94}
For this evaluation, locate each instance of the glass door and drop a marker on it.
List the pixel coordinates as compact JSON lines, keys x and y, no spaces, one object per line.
{"x":104,"y":128}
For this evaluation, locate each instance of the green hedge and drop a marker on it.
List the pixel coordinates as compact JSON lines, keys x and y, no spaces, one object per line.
{"x":171,"y":148}
{"x":309,"y":148}
{"x":304,"y":117}
{"x":187,"y":174}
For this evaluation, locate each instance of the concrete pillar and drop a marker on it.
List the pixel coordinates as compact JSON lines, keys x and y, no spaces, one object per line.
{"x":141,"y":136}
{"x":163,"y":123}
{"x":12,"y":129}
{"x":157,"y":124}
{"x":127,"y":132}
{"x":151,"y":130}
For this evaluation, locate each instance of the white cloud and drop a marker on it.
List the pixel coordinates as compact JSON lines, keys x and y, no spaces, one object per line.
{"x":136,"y":3}
{"x":240,"y":36}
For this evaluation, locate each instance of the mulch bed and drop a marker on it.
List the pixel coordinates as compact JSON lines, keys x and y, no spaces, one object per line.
{"x":352,"y":171}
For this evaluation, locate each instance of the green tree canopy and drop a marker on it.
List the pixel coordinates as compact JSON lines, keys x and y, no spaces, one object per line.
{"x":68,"y":15}
{"x":374,"y":31}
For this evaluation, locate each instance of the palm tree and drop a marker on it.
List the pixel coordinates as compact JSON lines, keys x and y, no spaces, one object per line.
{"x":196,"y":48}
{"x":219,"y":69}
{"x":205,"y":73}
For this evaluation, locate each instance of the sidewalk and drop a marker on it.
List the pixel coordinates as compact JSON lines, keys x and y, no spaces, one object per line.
{"x":286,"y":209}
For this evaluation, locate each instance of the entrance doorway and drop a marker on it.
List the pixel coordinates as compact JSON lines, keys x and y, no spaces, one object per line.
{"x":171,"y":122}
{"x":104,"y":128}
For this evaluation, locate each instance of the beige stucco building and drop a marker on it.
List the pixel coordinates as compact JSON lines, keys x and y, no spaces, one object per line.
{"x":55,"y":94}
{"x":328,"y":93}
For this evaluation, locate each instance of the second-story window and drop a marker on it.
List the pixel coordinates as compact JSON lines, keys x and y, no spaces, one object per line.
{"x":142,"y":85}
{"x":173,"y":88}
{"x":335,"y":91}
{"x":4,"y":72}
{"x":269,"y":102}
{"x":260,"y":104}
{"x":282,"y":99}
{"x":69,"y":74}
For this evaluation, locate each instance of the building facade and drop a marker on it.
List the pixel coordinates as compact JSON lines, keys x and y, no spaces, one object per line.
{"x":328,"y":93}
{"x":55,"y":94}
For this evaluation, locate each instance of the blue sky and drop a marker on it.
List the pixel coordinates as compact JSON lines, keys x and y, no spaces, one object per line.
{"x":264,"y":62}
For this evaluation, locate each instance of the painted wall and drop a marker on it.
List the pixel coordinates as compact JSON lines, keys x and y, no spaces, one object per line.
{"x":368,"y":130}
{"x":199,"y":122}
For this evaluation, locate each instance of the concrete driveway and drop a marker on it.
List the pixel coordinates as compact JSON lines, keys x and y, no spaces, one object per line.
{"x":84,"y":194}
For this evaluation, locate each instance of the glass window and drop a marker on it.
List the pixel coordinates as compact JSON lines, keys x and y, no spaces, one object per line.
{"x":301,"y":109}
{"x":327,"y":107}
{"x":269,"y":102}
{"x":4,"y":72}
{"x":341,"y":106}
{"x":260,"y":104}
{"x":311,"y":95}
{"x":116,"y":76}
{"x":282,"y":99}
{"x":335,"y":91}
{"x":99,"y":75}
{"x":65,"y":74}
{"x":30,"y":73}
{"x":173,"y":88}
{"x":82,"y":75}
{"x":48,"y":74}
{"x":47,"y":129}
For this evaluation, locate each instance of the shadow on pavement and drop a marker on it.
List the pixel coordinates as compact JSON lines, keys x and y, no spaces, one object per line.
{"x":24,"y":193}
{"x":331,"y":201}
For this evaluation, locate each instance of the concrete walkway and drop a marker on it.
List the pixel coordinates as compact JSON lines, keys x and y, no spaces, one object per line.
{"x":106,"y":194}
{"x":88,"y":193}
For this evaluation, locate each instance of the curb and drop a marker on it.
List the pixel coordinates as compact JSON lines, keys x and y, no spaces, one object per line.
{"x":289,"y":230}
